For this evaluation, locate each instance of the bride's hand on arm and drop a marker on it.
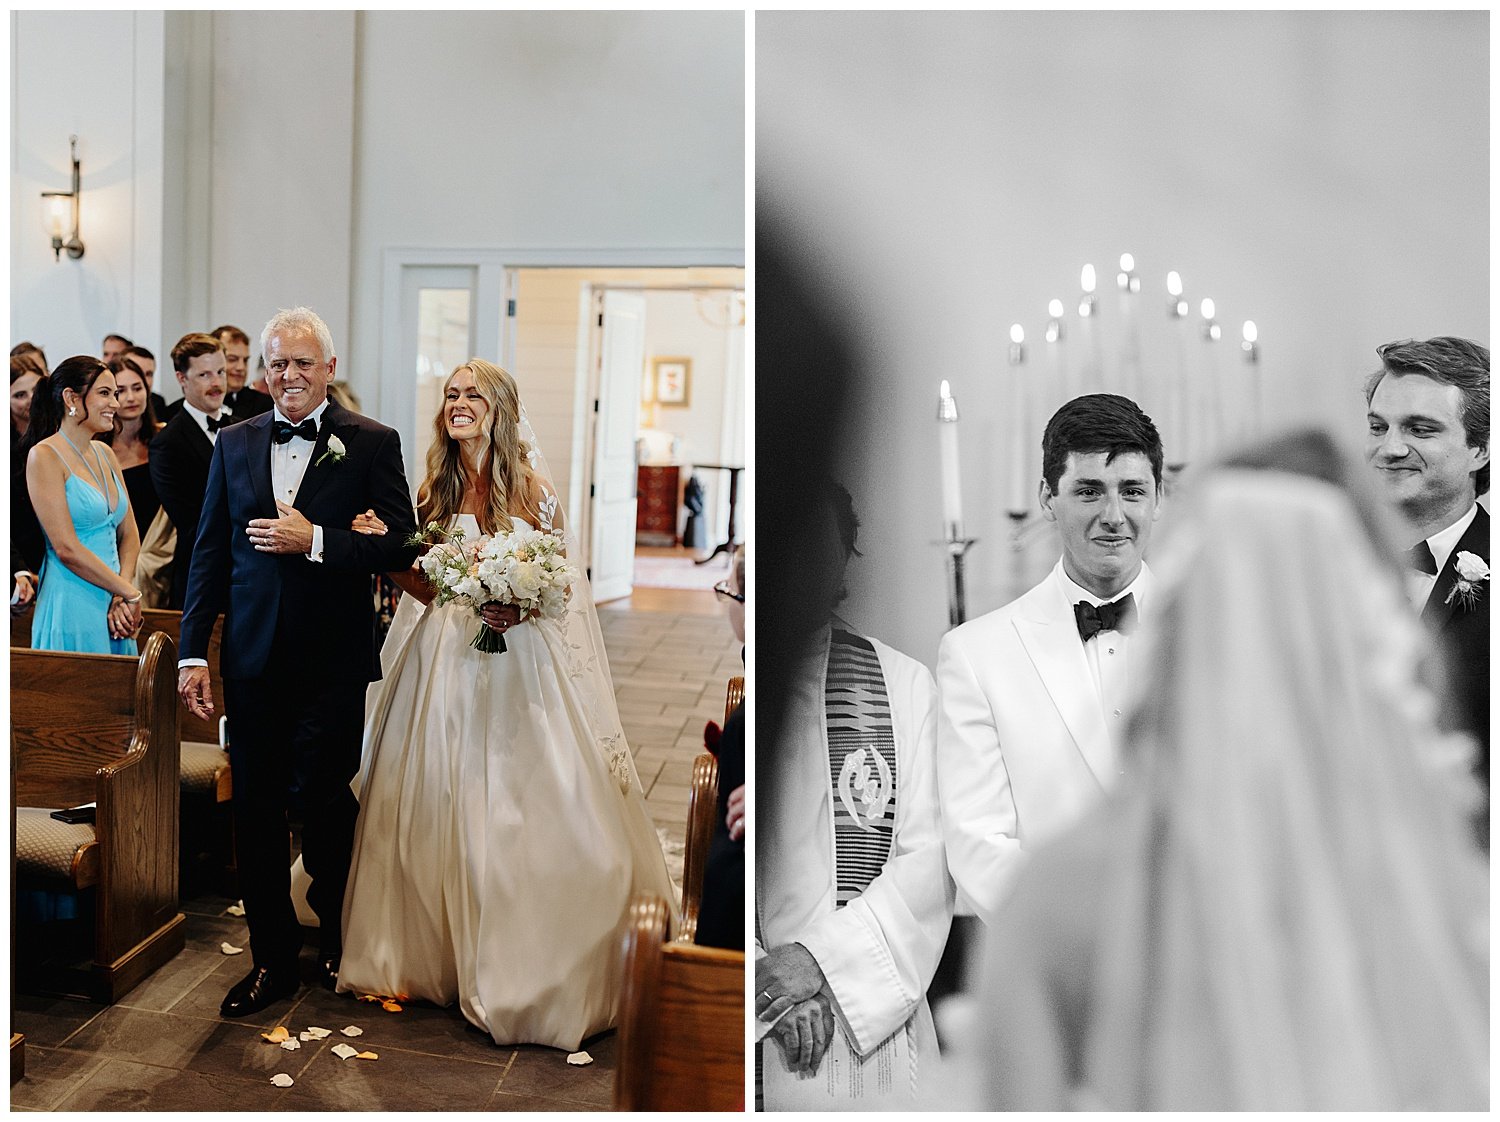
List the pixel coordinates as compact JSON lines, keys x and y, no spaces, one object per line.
{"x":368,"y":523}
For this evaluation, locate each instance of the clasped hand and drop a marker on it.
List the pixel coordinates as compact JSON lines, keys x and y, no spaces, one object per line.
{"x":290,"y":533}
{"x":124,"y":619}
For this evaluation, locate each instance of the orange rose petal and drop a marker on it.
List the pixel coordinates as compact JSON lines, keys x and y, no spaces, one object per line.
{"x":390,"y":1006}
{"x":367,"y":1056}
{"x":277,"y":1034}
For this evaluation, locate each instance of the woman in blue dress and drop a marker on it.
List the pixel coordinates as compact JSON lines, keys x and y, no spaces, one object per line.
{"x":88,"y":601}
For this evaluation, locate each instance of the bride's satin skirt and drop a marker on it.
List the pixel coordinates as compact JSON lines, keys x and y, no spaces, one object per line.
{"x":495,"y":854}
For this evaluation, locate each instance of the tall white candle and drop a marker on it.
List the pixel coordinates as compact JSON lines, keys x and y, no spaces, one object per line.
{"x":1250,"y":392}
{"x":953,"y":521}
{"x":1129,"y":381}
{"x":1018,"y":462}
{"x":1090,"y":346}
{"x":1056,"y":388}
{"x":1212,"y":384}
{"x":1179,"y":434}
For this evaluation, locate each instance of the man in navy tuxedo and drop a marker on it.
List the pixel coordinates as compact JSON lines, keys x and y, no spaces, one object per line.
{"x":1429,"y":438}
{"x":275,"y":553}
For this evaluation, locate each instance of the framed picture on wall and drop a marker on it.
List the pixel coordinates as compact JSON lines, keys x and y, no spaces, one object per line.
{"x":670,"y":377}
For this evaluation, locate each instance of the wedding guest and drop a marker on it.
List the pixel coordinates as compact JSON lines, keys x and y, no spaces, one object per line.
{"x":27,"y":370}
{"x":22,"y":582}
{"x":87,"y":601}
{"x":31,"y":348}
{"x":147,"y":363}
{"x":1429,"y":436}
{"x":1278,"y":907}
{"x":260,"y":376}
{"x":113,"y":347}
{"x":1033,"y":694}
{"x":181,"y":452}
{"x":242,"y":400}
{"x":131,"y":440}
{"x":853,"y":897}
{"x":721,"y":915}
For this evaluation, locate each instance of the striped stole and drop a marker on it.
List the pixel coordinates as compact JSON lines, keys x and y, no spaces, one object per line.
{"x":861,"y":763}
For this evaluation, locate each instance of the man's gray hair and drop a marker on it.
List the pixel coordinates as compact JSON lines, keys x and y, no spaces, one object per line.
{"x":298,"y":319}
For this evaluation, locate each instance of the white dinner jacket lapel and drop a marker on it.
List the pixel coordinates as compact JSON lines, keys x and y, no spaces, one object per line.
{"x":1049,"y":635}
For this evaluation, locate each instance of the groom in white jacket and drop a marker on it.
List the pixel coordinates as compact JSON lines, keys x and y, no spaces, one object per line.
{"x":1033,"y":695}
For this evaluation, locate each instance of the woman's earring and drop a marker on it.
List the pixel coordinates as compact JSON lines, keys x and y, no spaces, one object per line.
{"x":72,"y":410}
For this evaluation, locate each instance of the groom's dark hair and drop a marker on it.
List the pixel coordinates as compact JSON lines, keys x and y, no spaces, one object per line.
{"x":1098,"y":422}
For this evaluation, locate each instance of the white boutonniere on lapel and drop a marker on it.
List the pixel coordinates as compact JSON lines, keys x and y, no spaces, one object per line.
{"x":335,"y":450}
{"x":1472,"y":572}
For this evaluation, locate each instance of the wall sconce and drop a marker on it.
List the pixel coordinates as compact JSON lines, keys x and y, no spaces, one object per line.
{"x":74,"y":244}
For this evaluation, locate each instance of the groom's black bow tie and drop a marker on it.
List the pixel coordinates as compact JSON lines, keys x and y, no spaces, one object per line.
{"x":1420,"y":558}
{"x":282,"y":431}
{"x":1119,"y":615}
{"x":215,"y":423}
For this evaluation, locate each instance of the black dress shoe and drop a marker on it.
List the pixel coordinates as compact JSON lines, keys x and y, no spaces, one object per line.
{"x":327,"y":970}
{"x":258,"y":989}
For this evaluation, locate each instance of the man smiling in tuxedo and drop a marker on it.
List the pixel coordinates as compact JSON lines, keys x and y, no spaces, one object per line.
{"x":1032,"y":696}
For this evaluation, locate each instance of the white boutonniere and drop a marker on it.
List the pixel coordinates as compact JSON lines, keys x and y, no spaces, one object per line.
{"x":335,"y":449}
{"x":1472,"y":571}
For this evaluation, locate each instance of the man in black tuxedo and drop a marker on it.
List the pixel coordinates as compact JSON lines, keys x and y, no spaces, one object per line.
{"x":242,"y":400}
{"x":275,"y":554}
{"x":180,"y":453}
{"x":1429,"y":436}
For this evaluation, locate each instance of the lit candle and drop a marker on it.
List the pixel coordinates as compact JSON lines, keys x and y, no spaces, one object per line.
{"x":1091,"y":358}
{"x":1128,"y":284}
{"x":1249,"y":346}
{"x":948,"y":458}
{"x":1179,"y":433}
{"x":1214,"y":406}
{"x":1017,"y":457}
{"x":57,"y":219}
{"x":1055,"y":390}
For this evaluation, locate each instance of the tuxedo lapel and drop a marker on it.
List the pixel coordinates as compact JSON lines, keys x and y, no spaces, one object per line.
{"x":198,"y":440}
{"x":317,"y":474}
{"x":1439,"y":608}
{"x":258,"y":451}
{"x":1049,"y":636}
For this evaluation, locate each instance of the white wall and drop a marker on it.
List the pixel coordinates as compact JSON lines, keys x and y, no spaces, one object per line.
{"x":99,"y":76}
{"x":1325,"y":174}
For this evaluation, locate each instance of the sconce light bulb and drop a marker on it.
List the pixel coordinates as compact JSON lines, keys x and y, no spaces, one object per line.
{"x":1017,"y":334}
{"x":1207,"y":307}
{"x":1250,"y":332}
{"x":1127,"y":262}
{"x":1055,"y":309}
{"x":1174,"y":283}
{"x":1088,"y":279}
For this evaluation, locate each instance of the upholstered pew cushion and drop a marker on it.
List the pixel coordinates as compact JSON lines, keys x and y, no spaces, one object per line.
{"x":205,"y":770}
{"x":52,"y":850}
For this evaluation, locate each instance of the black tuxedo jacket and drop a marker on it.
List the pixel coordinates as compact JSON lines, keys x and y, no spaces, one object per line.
{"x":323,"y":609}
{"x":179,"y":456}
{"x":1464,"y":634}
{"x":246,"y":402}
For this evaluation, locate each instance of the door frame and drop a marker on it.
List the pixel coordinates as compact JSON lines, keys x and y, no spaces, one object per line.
{"x":494,"y":269}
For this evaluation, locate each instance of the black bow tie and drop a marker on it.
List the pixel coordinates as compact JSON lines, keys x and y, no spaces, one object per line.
{"x":214,"y":423}
{"x":282,"y":431}
{"x":1420,"y":558}
{"x":1119,"y":615}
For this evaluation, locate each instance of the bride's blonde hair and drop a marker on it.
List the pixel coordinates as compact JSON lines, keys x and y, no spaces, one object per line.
{"x":504,"y":472}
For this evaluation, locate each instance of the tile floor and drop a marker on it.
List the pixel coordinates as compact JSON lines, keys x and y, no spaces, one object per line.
{"x":165,"y":1047}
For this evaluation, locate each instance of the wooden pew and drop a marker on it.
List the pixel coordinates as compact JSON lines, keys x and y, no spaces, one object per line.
{"x":682,"y":1019}
{"x":703,"y":805}
{"x":103,"y":728}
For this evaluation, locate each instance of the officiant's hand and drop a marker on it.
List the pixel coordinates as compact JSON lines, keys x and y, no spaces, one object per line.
{"x":291,"y":533}
{"x":805,"y":1033}
{"x":500,"y":616}
{"x":196,"y":692}
{"x":787,"y":975}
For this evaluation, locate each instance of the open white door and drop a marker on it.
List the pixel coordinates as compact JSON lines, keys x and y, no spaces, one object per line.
{"x":622,"y":357}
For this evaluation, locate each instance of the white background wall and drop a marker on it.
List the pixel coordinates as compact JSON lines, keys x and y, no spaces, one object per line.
{"x":1326,"y":175}
{"x":293,"y":148}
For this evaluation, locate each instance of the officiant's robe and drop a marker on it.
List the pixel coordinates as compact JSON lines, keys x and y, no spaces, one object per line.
{"x":879,"y":952}
{"x":1026,"y":742}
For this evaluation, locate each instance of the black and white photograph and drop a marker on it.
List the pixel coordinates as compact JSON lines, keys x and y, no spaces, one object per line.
{"x":1122,"y":629}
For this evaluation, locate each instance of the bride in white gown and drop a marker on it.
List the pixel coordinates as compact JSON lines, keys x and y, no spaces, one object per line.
{"x":502,"y":829}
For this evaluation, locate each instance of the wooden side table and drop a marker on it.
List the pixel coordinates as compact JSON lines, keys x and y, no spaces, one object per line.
{"x":658,"y":498}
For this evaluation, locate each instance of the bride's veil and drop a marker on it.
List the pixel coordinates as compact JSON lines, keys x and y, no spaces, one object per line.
{"x":1295,"y":913}
{"x":582,"y":640}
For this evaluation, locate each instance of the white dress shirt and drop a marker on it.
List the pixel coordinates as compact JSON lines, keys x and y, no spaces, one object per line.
{"x":1108,"y":652}
{"x":1442,"y":545}
{"x":289,"y":463}
{"x":202,"y":418}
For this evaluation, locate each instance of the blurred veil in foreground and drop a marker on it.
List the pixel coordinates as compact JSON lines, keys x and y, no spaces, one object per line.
{"x":1283,"y":905}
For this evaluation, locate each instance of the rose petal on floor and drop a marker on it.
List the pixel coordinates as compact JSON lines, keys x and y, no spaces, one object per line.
{"x":281,"y":1079}
{"x":237,"y":908}
{"x":230,"y":949}
{"x":578,"y":1059}
{"x":352,"y":1030}
{"x":291,"y":1045}
{"x":276,"y":1035}
{"x":367,"y":1056}
{"x":390,"y":1006}
{"x":315,"y":1033}
{"x":343,"y":1051}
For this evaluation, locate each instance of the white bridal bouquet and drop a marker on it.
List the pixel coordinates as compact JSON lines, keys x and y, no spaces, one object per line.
{"x":525,"y":567}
